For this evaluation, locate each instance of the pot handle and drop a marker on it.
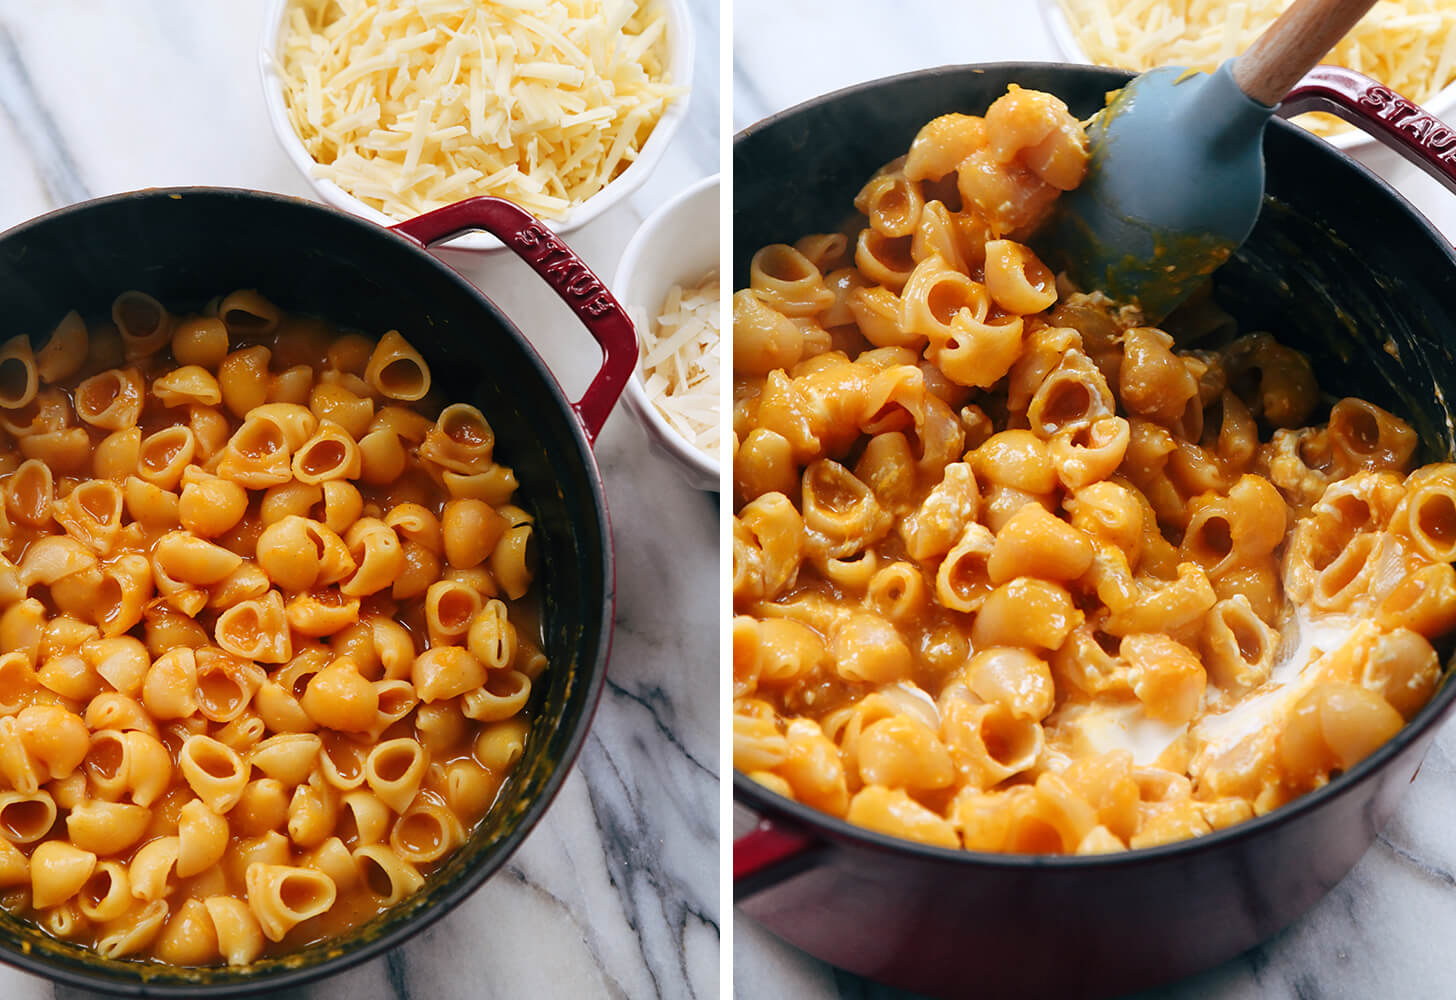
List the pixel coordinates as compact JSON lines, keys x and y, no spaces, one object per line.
{"x":567,"y":275}
{"x":770,"y":853}
{"x":1375,"y":109}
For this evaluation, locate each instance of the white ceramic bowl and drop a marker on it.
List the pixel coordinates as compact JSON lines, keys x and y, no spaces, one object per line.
{"x":676,"y":244}
{"x":1354,"y":142}
{"x":680,"y":67}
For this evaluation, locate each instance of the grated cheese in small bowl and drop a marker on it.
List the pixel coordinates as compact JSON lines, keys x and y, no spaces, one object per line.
{"x":1408,"y":45}
{"x":680,"y":355}
{"x":667,"y":277}
{"x":394,"y":108}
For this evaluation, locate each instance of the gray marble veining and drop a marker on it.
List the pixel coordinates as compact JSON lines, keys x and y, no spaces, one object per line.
{"x":615,"y":893}
{"x":1384,"y":931}
{"x":55,"y":167}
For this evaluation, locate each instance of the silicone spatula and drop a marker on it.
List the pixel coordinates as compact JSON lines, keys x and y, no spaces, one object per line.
{"x":1176,"y":172}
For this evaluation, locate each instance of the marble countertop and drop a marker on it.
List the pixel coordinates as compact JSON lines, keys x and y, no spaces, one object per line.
{"x":615,"y":893}
{"x":1385,"y":930}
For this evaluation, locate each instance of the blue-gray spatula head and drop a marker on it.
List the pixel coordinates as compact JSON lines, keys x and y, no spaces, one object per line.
{"x":1173,"y":186}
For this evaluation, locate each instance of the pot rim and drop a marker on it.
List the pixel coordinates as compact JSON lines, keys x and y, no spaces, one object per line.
{"x":148,"y":982}
{"x":1311,"y":141}
{"x":840,"y":833}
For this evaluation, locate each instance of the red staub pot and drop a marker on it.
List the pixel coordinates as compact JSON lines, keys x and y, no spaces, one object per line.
{"x":186,"y":245}
{"x":1338,"y":265}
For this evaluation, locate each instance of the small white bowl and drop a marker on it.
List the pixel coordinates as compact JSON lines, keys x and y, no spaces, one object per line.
{"x":675,"y":245}
{"x":680,"y":68}
{"x":1354,"y":142}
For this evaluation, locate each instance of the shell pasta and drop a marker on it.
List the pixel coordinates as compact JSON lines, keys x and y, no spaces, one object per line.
{"x":1014,"y":571}
{"x":268,"y":629}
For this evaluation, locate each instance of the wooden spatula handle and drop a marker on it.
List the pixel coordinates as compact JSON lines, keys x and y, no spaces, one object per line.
{"x":1293,"y":45}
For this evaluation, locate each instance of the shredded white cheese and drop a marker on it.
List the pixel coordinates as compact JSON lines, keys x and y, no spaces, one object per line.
{"x":409,"y":105}
{"x":1408,"y":45}
{"x":680,"y":355}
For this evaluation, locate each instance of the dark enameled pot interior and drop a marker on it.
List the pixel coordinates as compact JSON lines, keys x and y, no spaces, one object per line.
{"x":1338,"y":266}
{"x":186,"y":245}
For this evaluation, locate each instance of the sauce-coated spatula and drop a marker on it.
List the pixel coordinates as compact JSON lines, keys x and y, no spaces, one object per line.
{"x":1176,"y":174}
